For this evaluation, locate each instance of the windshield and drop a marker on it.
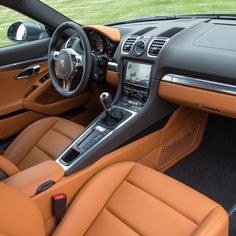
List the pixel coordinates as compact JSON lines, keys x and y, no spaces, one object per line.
{"x":111,"y":11}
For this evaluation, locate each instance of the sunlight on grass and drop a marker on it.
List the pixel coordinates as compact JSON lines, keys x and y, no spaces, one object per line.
{"x":110,"y":11}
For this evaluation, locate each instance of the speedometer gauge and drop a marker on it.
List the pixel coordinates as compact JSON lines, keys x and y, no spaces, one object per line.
{"x":96,"y":42}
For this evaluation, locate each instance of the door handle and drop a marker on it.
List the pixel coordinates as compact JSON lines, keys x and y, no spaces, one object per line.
{"x":28,"y":72}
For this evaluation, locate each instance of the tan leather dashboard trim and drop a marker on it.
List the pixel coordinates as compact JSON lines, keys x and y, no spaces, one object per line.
{"x":210,"y":101}
{"x":112,"y":78}
{"x":112,"y":33}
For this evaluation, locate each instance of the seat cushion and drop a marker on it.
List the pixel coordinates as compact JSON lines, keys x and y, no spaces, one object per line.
{"x":43,"y":140}
{"x":131,"y":199}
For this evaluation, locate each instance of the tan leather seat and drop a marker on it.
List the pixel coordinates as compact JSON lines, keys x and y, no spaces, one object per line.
{"x":43,"y":140}
{"x":125,"y":199}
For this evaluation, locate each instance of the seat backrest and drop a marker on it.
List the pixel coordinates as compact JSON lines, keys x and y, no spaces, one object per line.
{"x":19,"y":215}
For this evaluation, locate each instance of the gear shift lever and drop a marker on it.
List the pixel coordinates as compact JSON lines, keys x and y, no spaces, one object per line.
{"x":106,"y":100}
{"x":113,"y":115}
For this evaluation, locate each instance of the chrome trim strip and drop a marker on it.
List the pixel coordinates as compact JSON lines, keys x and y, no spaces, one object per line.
{"x":122,"y":45}
{"x":200,"y":83}
{"x":35,"y":69}
{"x":66,"y":168}
{"x":112,"y":66}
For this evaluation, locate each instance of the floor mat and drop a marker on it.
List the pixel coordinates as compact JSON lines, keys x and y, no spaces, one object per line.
{"x":211,"y":169}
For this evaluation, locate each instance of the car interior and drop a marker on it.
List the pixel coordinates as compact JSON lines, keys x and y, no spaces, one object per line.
{"x":122,"y":129}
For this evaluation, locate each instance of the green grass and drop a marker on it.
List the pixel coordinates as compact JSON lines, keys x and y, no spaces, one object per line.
{"x":108,"y":11}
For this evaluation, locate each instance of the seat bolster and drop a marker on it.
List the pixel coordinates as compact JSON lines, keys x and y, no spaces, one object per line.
{"x":28,"y":138}
{"x":7,"y":167}
{"x":41,"y":141}
{"x":92,"y":199}
{"x":133,"y":199}
{"x":215,"y":224}
{"x":19,"y":214}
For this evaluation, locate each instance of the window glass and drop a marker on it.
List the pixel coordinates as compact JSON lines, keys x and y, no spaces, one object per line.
{"x":111,"y":11}
{"x":9,"y":17}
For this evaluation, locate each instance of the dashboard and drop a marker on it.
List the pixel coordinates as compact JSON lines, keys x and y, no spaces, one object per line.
{"x":193,"y":61}
{"x":198,"y":54}
{"x":100,"y":44}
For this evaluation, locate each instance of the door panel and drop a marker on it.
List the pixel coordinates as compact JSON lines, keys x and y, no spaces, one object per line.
{"x":29,"y":99}
{"x":23,"y":101}
{"x":13,"y":91}
{"x":21,"y":53}
{"x":44,"y":99}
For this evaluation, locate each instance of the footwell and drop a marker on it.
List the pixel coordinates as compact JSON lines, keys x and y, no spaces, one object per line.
{"x":211,"y":169}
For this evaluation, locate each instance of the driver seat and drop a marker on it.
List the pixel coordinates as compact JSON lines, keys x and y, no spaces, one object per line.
{"x":41,"y":141}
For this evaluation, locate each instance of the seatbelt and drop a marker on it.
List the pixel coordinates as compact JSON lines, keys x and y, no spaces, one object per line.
{"x":59,"y":206}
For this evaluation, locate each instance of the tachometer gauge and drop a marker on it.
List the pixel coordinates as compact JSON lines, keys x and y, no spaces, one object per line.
{"x":96,"y":42}
{"x":109,"y":50}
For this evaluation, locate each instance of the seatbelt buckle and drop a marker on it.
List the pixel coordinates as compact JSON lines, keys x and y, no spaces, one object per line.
{"x":59,"y":206}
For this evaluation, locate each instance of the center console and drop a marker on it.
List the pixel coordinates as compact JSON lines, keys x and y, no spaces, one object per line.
{"x":136,"y":85}
{"x":128,"y":104}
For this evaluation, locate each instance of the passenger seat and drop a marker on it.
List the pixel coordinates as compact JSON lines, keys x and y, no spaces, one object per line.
{"x":124,"y":199}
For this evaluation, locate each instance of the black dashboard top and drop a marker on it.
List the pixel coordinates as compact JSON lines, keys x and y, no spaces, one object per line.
{"x":202,"y":47}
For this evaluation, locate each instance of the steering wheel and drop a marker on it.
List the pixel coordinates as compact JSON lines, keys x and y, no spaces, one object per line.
{"x":72,"y":66}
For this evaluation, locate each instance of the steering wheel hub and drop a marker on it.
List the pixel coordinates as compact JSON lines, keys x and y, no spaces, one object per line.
{"x":65,"y":65}
{"x":70,"y":66}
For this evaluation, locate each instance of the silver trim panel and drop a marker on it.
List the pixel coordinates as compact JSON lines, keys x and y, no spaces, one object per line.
{"x":134,"y":37}
{"x":200,"y":83}
{"x":112,"y":66}
{"x":84,"y":134}
{"x":34,"y":70}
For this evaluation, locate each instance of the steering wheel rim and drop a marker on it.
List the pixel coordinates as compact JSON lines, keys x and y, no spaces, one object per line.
{"x":68,"y":61}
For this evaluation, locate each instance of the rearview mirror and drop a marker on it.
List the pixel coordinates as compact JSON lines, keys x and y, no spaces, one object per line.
{"x":26,"y":31}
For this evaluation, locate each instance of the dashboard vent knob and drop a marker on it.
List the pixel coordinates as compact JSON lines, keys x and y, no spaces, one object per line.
{"x":128,"y":44}
{"x":156,"y":45}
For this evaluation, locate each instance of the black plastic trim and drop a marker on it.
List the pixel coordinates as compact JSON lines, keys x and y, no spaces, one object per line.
{"x":11,"y":114}
{"x":21,"y":64}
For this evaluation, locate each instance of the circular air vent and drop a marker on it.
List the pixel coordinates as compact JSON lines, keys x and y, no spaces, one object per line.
{"x":139,"y":47}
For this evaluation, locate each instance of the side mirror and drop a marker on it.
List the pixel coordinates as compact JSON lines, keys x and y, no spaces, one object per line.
{"x":26,"y":31}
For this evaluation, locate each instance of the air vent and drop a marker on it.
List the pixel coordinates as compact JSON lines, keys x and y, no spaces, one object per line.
{"x":70,"y":42}
{"x":128,"y":44}
{"x":156,"y":45}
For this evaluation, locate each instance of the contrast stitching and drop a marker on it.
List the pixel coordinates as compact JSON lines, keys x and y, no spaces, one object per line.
{"x":125,"y":223}
{"x":52,"y":157}
{"x":109,"y":197}
{"x":23,"y":133}
{"x":129,"y":182}
{"x":58,"y":131}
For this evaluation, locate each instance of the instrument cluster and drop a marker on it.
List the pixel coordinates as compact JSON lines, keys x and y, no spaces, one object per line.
{"x":101,"y":45}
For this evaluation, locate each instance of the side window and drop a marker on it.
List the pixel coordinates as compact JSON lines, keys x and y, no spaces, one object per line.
{"x":16,"y":28}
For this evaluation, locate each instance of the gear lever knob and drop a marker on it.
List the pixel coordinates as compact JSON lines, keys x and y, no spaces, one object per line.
{"x":106,"y":100}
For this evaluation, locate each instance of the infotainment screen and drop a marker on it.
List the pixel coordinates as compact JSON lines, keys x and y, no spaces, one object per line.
{"x":138,"y":73}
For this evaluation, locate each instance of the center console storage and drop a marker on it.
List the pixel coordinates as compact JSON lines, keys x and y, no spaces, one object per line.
{"x":107,"y":123}
{"x":127,"y":115}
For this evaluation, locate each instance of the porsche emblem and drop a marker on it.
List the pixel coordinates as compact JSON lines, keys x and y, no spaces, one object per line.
{"x":62,"y":63}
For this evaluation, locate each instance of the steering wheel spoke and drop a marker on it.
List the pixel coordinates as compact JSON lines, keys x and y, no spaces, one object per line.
{"x":55,"y":55}
{"x":66,"y":85}
{"x":65,"y":63}
{"x":79,"y":59}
